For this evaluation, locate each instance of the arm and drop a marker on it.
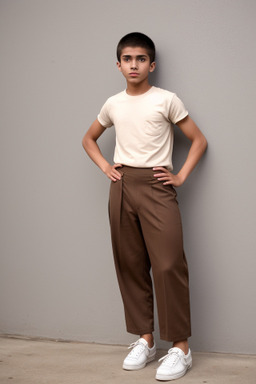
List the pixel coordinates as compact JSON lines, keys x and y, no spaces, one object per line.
{"x":197,"y":149}
{"x":91,"y":147}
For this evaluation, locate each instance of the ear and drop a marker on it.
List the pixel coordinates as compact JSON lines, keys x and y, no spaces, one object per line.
{"x":119,"y":66}
{"x":152,"y":66}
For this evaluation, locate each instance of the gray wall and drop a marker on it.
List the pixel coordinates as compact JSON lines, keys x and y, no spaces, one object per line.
{"x":57,"y":68}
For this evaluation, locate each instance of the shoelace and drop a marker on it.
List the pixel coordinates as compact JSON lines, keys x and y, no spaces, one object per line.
{"x":172,"y":358}
{"x":137,"y":348}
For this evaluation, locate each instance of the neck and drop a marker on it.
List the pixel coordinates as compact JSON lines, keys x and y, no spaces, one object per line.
{"x":137,"y":89}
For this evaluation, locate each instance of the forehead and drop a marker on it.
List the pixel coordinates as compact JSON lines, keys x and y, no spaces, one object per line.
{"x":134,"y":51}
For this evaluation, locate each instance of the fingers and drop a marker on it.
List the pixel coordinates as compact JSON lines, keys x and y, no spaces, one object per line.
{"x":114,"y":174}
{"x":118,"y":165}
{"x":166,"y":176}
{"x":160,"y":169}
{"x":163,"y":174}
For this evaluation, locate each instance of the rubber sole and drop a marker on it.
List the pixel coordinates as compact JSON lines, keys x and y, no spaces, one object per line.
{"x":172,"y":377}
{"x":137,"y":367}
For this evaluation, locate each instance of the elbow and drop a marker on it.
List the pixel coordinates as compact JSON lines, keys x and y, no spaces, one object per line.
{"x":85,"y":143}
{"x":205,"y":144}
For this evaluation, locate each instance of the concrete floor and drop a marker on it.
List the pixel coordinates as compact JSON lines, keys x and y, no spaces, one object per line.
{"x":26,"y":361}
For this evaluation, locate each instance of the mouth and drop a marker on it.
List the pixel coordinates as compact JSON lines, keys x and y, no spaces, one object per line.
{"x":133,"y":74}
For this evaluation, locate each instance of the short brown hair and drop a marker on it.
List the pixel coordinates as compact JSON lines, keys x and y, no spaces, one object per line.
{"x":136,"y":39}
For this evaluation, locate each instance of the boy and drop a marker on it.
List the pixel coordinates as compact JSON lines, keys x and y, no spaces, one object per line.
{"x":145,"y":222}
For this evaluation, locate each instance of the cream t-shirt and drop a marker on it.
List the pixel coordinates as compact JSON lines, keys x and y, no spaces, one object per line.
{"x":143,"y":125}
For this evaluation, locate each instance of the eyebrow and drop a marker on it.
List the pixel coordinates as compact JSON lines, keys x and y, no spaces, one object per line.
{"x":137,"y":57}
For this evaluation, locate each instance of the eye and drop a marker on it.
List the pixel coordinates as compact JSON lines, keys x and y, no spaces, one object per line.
{"x":142,"y":59}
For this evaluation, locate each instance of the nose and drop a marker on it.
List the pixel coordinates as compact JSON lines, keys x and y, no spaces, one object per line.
{"x":133,"y":64}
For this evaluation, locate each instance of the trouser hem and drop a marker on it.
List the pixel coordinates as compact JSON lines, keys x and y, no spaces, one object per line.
{"x":175,"y":338}
{"x":140,"y":332}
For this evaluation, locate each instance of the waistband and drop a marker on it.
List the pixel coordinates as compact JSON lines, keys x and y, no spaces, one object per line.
{"x":126,"y":170}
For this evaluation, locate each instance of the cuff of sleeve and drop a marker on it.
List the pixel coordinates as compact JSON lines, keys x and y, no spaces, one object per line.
{"x":102,"y":122}
{"x":185,"y":114}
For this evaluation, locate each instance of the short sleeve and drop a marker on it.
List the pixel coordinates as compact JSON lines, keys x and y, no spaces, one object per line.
{"x":177,"y":110}
{"x":104,"y":117}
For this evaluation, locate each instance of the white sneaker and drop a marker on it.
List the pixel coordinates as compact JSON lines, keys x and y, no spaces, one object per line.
{"x":139,"y":356}
{"x":175,"y":364}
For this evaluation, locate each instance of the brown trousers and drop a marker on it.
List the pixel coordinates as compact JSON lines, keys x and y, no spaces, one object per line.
{"x":146,"y":233}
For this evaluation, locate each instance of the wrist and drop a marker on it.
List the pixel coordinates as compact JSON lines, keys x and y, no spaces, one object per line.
{"x":181,"y":177}
{"x":105,"y":167}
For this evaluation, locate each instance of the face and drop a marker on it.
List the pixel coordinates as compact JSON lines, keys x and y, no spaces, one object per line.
{"x":135,"y":64}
